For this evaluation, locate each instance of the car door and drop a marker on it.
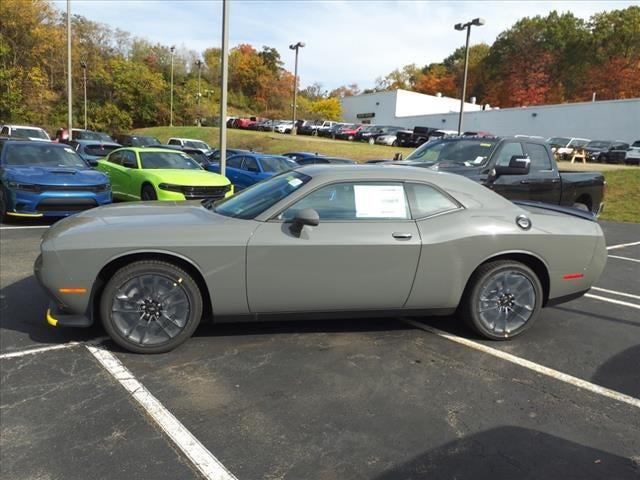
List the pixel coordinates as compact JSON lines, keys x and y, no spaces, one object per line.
{"x":544,"y":180}
{"x":361,"y":256}
{"x":514,"y":187}
{"x":112,"y":166}
{"x":233,"y":171}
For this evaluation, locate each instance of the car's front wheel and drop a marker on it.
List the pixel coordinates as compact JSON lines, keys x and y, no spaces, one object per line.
{"x":148,"y":193}
{"x":502,"y":300}
{"x":3,"y":206}
{"x":150,"y":306}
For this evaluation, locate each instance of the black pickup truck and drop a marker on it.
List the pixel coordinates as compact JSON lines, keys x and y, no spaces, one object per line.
{"x":519,"y":168}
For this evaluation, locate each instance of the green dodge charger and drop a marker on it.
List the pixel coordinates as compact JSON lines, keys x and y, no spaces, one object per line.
{"x":161,"y":174}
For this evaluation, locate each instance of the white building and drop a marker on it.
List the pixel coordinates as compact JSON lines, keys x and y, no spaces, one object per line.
{"x":386,"y":108}
{"x":602,"y":120}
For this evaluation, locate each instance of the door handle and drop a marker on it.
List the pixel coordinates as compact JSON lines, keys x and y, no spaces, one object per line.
{"x":555,"y":180}
{"x":401,"y":235}
{"x":525,"y":182}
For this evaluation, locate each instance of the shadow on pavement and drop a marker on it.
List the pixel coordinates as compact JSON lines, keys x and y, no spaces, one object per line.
{"x":598,"y":316}
{"x":618,"y":373}
{"x":23,"y":307}
{"x":514,"y":453}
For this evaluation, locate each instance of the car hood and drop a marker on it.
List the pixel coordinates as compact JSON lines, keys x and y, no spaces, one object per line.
{"x":195,"y":178}
{"x":134,"y":217}
{"x":55,"y":175}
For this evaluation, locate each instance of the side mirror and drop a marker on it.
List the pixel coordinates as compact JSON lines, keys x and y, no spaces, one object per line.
{"x":306,"y":216}
{"x":518,"y":165}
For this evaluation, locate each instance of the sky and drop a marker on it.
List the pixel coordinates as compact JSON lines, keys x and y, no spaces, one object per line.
{"x":347,"y":41}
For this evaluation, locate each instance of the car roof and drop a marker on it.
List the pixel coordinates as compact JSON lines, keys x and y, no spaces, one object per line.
{"x":34,"y":142}
{"x":151,"y":149}
{"x":85,"y":141}
{"x":12,"y":125}
{"x":187,"y":139}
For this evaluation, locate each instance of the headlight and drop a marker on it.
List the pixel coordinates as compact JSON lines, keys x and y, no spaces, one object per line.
{"x":28,"y":187}
{"x":104,"y":187}
{"x":170,"y":187}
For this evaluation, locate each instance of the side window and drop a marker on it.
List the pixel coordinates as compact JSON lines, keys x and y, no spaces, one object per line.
{"x":5,"y":131}
{"x":251,"y":165}
{"x":507,"y":151}
{"x":130,"y":158}
{"x":426,"y":200}
{"x":116,"y":157}
{"x":234,"y":162}
{"x":173,"y":141}
{"x":355,"y":201}
{"x":539,"y":157}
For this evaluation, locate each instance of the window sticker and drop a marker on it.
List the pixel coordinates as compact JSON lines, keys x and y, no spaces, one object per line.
{"x":380,"y":201}
{"x":295,"y":182}
{"x":67,"y":149}
{"x":485,"y":144}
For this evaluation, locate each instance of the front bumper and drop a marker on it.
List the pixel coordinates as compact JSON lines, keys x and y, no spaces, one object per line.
{"x":53,"y":203}
{"x":58,"y":313}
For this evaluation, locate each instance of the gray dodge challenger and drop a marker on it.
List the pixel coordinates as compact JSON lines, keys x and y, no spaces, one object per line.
{"x":319,"y":242}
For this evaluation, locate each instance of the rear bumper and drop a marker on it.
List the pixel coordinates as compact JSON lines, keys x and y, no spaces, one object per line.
{"x":53,"y":203}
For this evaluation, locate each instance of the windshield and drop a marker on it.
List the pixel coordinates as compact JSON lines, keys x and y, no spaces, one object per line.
{"x":559,"y":141}
{"x":144,"y":141}
{"x":636,"y":143}
{"x":277,"y":164}
{"x":170,"y":160}
{"x":45,"y":155}
{"x":99,"y":150}
{"x":29,"y":133}
{"x":105,"y":137}
{"x":257,"y":198}
{"x":599,"y":144}
{"x":199,"y":157}
{"x":196,"y":144}
{"x":85,"y":135}
{"x":470,"y":152}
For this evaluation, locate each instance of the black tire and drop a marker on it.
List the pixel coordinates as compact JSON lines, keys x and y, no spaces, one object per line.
{"x":148,"y":193}
{"x":483,"y":278}
{"x":394,"y":143}
{"x":181,"y":300}
{"x":3,"y":207}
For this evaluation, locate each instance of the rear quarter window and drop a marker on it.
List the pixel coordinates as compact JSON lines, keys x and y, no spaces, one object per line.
{"x":426,"y":200}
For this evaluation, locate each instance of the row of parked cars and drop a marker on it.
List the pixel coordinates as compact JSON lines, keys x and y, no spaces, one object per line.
{"x":40,"y":177}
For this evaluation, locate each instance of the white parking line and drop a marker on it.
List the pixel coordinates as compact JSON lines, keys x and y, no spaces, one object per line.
{"x":624,"y":258}
{"x":25,"y":227}
{"x":563,"y":377}
{"x":612,"y":300}
{"x":613,"y":292}
{"x":622,"y":245}
{"x":59,"y":346}
{"x":208,"y":465}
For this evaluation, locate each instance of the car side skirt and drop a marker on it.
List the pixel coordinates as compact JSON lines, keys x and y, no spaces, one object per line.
{"x":342,"y":314}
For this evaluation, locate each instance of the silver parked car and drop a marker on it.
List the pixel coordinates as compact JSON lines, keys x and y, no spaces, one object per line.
{"x":331,"y":241}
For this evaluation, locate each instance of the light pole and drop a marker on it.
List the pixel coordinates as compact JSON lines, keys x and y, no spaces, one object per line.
{"x":83,"y":64}
{"x":199,"y":64}
{"x":69,"y":93}
{"x":224,"y":78}
{"x":461,"y":26}
{"x":295,"y":47}
{"x":173,"y":47}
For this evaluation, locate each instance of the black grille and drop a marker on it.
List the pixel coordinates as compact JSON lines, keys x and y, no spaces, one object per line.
{"x":199,"y":193}
{"x":72,"y":188}
{"x":65,"y":204}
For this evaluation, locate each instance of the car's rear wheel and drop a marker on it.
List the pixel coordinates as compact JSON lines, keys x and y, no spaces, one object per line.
{"x":394,"y":143}
{"x":151,"y":306}
{"x":148,"y":193}
{"x":502,"y":300}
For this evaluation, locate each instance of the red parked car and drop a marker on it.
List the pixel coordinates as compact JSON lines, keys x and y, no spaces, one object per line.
{"x":348,"y":132}
{"x":244,"y":123}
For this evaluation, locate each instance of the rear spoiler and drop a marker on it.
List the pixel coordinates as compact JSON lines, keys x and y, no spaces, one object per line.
{"x":574,"y":212}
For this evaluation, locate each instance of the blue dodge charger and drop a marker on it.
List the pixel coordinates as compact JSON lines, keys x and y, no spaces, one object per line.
{"x":245,"y":169}
{"x":46,"y":179}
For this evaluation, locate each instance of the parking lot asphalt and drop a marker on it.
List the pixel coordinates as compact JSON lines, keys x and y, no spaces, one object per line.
{"x":375,"y":399}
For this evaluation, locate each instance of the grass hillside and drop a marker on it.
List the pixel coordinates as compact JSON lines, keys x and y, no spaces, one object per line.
{"x":622,"y":202}
{"x":277,"y":143}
